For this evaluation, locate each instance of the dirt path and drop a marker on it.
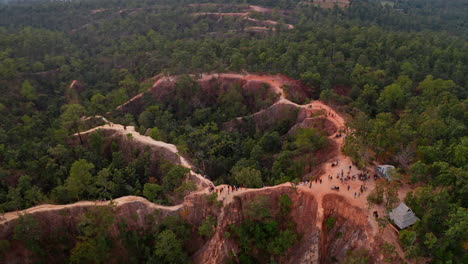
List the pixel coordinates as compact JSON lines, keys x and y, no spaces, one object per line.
{"x":159,"y":79}
{"x":118,"y":202}
{"x":220,"y":14}
{"x":275,"y":81}
{"x":318,"y":189}
{"x":245,"y":15}
{"x":130,"y":130}
{"x":254,"y":8}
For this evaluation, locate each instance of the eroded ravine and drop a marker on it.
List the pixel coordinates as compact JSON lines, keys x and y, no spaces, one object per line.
{"x":313,"y":205}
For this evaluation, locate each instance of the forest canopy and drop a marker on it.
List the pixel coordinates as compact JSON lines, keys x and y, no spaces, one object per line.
{"x":397,"y":68}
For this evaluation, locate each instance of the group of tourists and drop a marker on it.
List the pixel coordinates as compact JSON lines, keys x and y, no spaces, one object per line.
{"x":309,"y":183}
{"x":363,"y":176}
{"x":226,"y":189}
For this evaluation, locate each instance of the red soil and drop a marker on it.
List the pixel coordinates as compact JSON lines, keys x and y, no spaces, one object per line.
{"x":352,"y":212}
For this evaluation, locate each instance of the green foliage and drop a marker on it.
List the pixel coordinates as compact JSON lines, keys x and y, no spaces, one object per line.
{"x":392,"y":97}
{"x":94,"y":244}
{"x":151,"y":191}
{"x":377,"y":194}
{"x":285,"y":204}
{"x":408,"y":241}
{"x":258,"y":209}
{"x":98,"y":103}
{"x":168,"y":248}
{"x":307,"y":139}
{"x":358,"y":256}
{"x":157,"y":134}
{"x":330,"y":222}
{"x":186,"y":187}
{"x":442,"y":231}
{"x":80,"y":177}
{"x":260,"y":236}
{"x":174,"y":177}
{"x":96,"y":141}
{"x":28,"y":91}
{"x":207,"y":228}
{"x":70,"y":118}
{"x":417,"y":122}
{"x":24,"y":195}
{"x":29,"y":231}
{"x":282,"y":242}
{"x":390,"y":253}
{"x":248,"y":177}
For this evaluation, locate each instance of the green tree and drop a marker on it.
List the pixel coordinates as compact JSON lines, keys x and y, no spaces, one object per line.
{"x":98,"y":103}
{"x":151,"y":191}
{"x":174,"y":177}
{"x":28,"y":91}
{"x":431,"y":88}
{"x":80,"y":178}
{"x":248,"y":177}
{"x":29,"y":231}
{"x":157,"y":134}
{"x":285,"y":204}
{"x":376,"y":196}
{"x":96,"y":141}
{"x":282,"y":242}
{"x":95,"y":243}
{"x":70,"y":117}
{"x":392,"y":97}
{"x":307,"y":139}
{"x":130,"y":85}
{"x":168,"y":248}
{"x":408,"y":241}
{"x":104,"y":186}
{"x":258,"y":209}
{"x":207,"y":228}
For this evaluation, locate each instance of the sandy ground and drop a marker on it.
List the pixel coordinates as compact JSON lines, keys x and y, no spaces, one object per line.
{"x":268,"y":22}
{"x":220,"y":14}
{"x":254,"y":8}
{"x":258,"y":29}
{"x":150,"y":142}
{"x":246,"y":17}
{"x":158,"y":82}
{"x":319,"y":189}
{"x":52,"y":207}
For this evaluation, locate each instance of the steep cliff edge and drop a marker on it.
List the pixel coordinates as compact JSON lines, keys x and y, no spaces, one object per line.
{"x":344,"y":229}
{"x":322,"y":240}
{"x":59,"y":223}
{"x":133,"y":143}
{"x":330,"y":223}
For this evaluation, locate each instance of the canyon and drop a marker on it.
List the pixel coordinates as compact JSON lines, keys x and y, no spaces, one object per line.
{"x":314,"y":201}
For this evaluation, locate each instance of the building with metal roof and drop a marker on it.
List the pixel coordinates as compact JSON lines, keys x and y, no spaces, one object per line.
{"x":385,"y":171}
{"x":403,"y":216}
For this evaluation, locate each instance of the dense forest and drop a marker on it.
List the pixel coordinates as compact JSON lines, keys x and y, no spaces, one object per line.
{"x":397,"y":68}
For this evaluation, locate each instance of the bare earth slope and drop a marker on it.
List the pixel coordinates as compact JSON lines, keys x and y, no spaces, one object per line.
{"x":313,"y":203}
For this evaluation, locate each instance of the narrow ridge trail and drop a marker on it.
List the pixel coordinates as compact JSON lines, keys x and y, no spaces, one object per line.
{"x":130,"y":130}
{"x":276,"y":82}
{"x":117,"y":202}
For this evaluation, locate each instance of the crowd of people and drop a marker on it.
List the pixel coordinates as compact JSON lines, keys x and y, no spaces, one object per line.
{"x":225,"y":189}
{"x":343,"y":177}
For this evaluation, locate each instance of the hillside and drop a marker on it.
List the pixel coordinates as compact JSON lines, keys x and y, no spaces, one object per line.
{"x":258,"y":131}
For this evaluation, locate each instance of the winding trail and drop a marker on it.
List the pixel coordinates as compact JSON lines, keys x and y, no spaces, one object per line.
{"x":126,"y":130}
{"x":319,"y":189}
{"x":118,"y":202}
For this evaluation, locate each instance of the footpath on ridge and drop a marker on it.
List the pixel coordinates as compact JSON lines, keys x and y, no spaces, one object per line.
{"x":319,"y":188}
